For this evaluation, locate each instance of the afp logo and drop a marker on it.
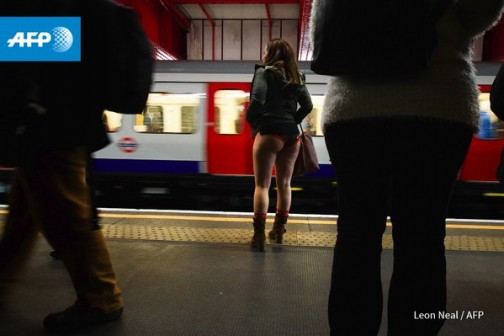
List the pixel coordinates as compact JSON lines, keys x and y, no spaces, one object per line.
{"x":60,"y":39}
{"x":40,"y":39}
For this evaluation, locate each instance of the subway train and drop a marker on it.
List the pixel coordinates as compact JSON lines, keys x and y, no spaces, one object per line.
{"x":192,"y":141}
{"x":193,"y":146}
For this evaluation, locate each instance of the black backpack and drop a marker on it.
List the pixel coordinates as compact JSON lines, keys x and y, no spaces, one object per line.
{"x":375,"y":37}
{"x":128,"y":72}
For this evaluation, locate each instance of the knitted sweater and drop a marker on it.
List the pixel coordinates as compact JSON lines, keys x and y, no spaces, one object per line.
{"x":447,"y":90}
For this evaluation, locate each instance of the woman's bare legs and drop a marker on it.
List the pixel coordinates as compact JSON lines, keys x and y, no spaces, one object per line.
{"x":284,"y":167}
{"x":269,"y":151}
{"x":265,"y":151}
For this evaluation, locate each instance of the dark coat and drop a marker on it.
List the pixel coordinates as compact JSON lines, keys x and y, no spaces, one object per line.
{"x":274,"y":101}
{"x":70,"y":92}
{"x":497,"y":94}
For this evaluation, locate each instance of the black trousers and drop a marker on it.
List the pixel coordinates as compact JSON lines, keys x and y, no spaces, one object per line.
{"x":404,"y":168}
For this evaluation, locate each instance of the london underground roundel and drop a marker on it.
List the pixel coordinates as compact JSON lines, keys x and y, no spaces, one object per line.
{"x":127,"y":145}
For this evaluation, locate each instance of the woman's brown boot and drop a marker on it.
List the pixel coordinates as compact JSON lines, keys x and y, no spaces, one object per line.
{"x":276,"y":233}
{"x":259,"y":236}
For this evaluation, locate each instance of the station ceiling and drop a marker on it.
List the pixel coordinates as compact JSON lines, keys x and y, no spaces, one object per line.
{"x":250,"y":9}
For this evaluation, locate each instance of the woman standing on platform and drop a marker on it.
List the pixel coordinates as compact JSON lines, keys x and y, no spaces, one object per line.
{"x":273,"y":115}
{"x":396,"y":145}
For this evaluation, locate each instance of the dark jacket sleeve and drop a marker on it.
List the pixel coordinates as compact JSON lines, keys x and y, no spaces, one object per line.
{"x":305,"y":104}
{"x":257,"y":96}
{"x":497,"y":94}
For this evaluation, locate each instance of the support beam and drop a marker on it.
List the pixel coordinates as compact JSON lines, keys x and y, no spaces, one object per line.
{"x":304,"y":43}
{"x":171,"y":6}
{"x":212,"y":23}
{"x":270,"y":22}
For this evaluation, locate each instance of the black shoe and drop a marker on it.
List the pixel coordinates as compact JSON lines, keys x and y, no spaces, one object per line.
{"x":55,"y":254}
{"x":77,"y":318}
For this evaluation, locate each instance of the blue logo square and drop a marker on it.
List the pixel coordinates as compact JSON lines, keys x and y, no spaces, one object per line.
{"x":35,"y":39}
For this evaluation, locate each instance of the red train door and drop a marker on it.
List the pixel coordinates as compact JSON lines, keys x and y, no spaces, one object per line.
{"x":229,"y":140}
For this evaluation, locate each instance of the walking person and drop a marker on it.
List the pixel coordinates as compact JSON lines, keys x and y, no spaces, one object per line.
{"x":273,"y":114}
{"x":95,"y":216}
{"x":49,"y":192}
{"x":396,"y":145}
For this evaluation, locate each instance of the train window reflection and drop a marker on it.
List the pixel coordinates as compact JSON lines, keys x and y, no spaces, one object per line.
{"x":230,"y":111}
{"x":112,"y":121}
{"x":490,"y":126}
{"x":169,"y":113}
{"x":313,"y":121}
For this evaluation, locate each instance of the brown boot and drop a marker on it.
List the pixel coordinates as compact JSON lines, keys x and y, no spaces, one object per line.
{"x":276,"y":233}
{"x":259,"y":236}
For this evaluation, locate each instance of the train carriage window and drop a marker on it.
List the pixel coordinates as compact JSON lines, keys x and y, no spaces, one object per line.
{"x":230,"y":111}
{"x":313,"y":121}
{"x":169,"y":113}
{"x":112,"y":121}
{"x":153,"y":119}
{"x":490,"y":126}
{"x":188,"y":118}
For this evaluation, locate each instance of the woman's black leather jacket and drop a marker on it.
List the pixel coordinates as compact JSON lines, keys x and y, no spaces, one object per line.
{"x":275,"y":101}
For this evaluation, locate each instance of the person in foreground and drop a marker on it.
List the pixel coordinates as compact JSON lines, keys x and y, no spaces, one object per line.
{"x":273,"y":115}
{"x":497,"y":94}
{"x":396,"y":146}
{"x":49,"y":193}
{"x":497,"y":107}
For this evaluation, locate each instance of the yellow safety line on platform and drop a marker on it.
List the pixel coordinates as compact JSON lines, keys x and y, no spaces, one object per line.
{"x":475,"y":227}
{"x":213,"y":219}
{"x":291,"y":220}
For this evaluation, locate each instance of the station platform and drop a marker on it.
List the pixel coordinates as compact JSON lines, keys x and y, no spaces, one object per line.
{"x":193,"y":273}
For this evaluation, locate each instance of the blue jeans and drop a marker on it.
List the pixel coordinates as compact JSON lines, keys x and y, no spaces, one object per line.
{"x":404,"y":168}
